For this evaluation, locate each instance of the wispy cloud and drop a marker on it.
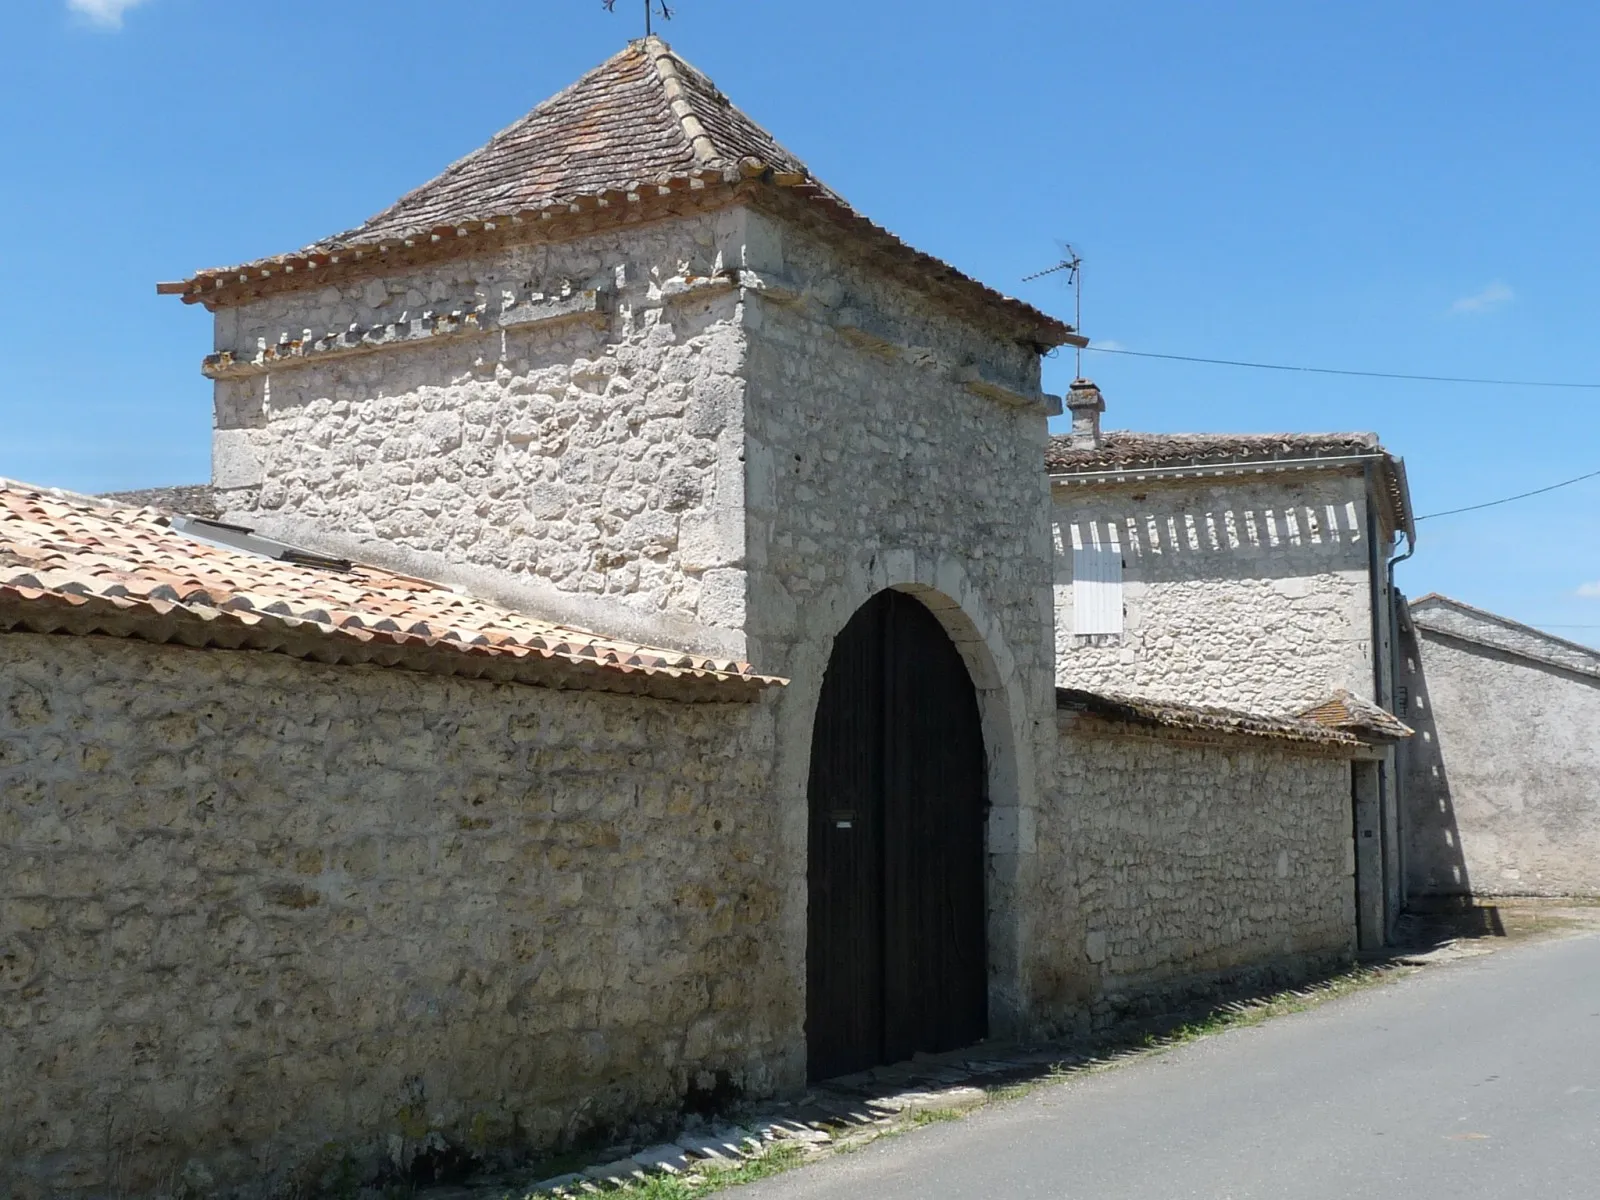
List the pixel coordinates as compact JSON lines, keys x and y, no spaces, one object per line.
{"x":102,"y":14}
{"x":1496,"y":295}
{"x":1591,"y":590}
{"x":1106,"y":344}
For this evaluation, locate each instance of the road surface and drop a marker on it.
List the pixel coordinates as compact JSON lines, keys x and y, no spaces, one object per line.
{"x":1480,"y":1078}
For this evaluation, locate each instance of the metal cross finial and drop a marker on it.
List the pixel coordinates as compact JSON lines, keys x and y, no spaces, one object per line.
{"x":651,"y":7}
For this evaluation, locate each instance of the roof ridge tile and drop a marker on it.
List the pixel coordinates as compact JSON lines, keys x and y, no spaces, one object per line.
{"x":666,"y":64}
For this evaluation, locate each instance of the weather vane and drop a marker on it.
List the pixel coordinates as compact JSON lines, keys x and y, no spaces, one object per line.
{"x":1073,"y":266}
{"x":651,"y":7}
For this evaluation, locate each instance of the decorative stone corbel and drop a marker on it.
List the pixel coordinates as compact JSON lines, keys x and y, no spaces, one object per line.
{"x":536,"y":309}
{"x":974,"y":380}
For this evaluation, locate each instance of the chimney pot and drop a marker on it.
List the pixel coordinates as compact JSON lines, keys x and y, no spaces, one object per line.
{"x":1086,"y":404}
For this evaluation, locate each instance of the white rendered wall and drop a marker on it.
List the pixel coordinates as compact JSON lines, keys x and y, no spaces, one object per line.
{"x":1252,"y":596}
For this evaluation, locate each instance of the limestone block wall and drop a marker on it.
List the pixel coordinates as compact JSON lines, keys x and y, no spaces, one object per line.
{"x":1253,"y":596}
{"x":263,"y":920}
{"x":872,"y":465}
{"x":563,"y":418}
{"x":1503,"y":777}
{"x":1163,"y":862}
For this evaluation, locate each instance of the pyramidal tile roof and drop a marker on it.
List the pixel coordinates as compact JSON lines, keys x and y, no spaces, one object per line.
{"x":77,"y":564}
{"x":643,"y":131}
{"x":641,"y":117}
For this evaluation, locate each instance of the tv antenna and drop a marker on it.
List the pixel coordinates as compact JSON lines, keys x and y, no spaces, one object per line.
{"x":1073,"y":266}
{"x":651,"y":7}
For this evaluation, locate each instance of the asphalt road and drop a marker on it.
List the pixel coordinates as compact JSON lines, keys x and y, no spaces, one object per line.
{"x":1480,"y":1078}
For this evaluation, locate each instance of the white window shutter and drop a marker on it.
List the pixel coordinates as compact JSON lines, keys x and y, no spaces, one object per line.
{"x":1096,"y":589}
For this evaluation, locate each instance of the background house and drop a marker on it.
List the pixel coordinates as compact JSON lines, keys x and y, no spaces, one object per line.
{"x":1503,"y":778}
{"x":1250,"y":570}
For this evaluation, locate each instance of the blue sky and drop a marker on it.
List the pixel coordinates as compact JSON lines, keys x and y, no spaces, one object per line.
{"x":1386,"y":187}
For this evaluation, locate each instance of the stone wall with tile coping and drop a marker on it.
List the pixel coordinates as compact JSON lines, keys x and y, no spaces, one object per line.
{"x":258,"y":914}
{"x":1246,"y":595}
{"x":1164,"y":859}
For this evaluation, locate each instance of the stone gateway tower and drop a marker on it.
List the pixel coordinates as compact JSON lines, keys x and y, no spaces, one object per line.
{"x":631,"y":366}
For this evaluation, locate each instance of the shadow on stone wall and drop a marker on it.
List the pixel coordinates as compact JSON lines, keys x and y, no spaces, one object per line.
{"x":1436,"y":867}
{"x":1169,"y":541}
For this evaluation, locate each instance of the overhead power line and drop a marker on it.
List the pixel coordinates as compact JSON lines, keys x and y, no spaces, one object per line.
{"x":1232,"y":362}
{"x":1450,"y":512}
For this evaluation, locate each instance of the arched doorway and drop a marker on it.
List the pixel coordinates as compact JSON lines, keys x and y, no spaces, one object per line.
{"x":896,"y":960}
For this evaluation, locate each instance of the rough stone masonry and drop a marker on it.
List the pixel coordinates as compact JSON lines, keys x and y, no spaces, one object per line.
{"x":1248,"y":594}
{"x":1170,"y":861}
{"x":576,"y":430}
{"x":260,"y":914}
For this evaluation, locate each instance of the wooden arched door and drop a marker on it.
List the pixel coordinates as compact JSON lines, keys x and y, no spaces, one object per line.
{"x":896,"y":960}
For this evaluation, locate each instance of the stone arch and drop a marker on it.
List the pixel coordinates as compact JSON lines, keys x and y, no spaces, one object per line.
{"x":942,"y":584}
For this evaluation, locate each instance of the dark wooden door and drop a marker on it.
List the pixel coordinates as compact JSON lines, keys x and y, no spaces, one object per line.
{"x":896,"y":958}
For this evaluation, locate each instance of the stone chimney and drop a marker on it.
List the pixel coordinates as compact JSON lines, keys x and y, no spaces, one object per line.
{"x":1086,"y":404}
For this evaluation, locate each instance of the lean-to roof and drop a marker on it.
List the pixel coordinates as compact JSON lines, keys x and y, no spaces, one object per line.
{"x":1345,"y":710}
{"x":72,"y":564}
{"x":1453,"y":618}
{"x":1179,"y":717}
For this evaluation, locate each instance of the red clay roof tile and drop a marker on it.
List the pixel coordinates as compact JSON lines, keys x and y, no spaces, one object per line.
{"x":1345,"y":710}
{"x":642,"y":120}
{"x":1199,"y":718}
{"x":60,"y":553}
{"x":1124,"y":450}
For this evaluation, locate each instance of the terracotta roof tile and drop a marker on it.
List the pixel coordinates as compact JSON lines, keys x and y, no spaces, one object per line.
{"x":1125,"y":450}
{"x":1345,"y":710}
{"x":642,"y":120}
{"x":78,"y":564}
{"x":1199,"y":718}
{"x":610,"y":131}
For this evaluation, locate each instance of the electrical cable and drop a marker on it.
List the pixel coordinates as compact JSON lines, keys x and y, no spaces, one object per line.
{"x":1450,"y":512}
{"x":1230,"y":362}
